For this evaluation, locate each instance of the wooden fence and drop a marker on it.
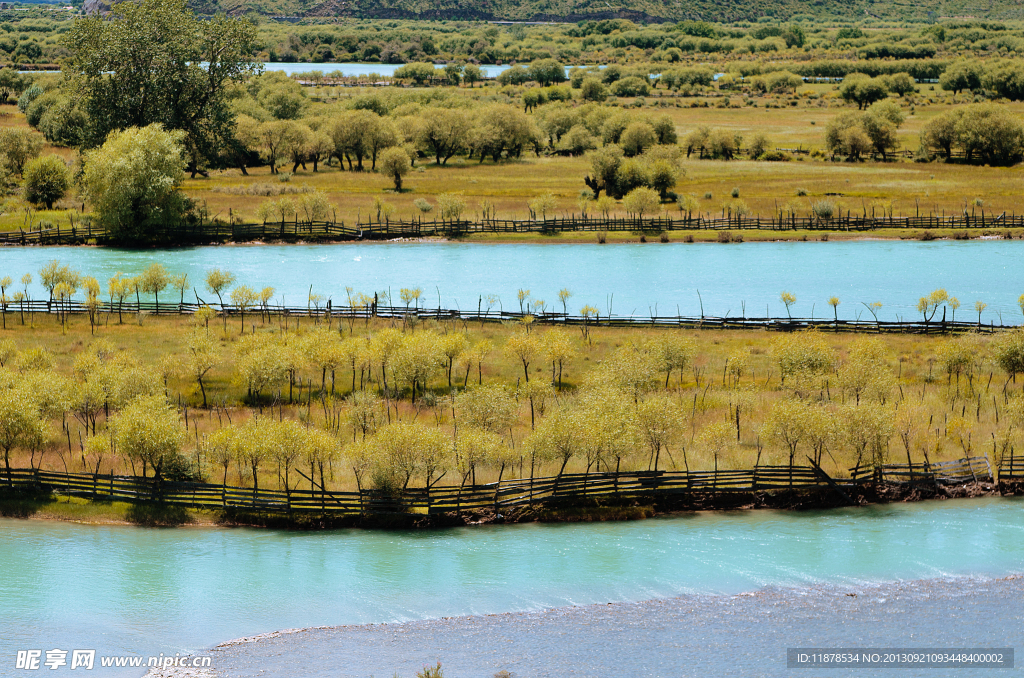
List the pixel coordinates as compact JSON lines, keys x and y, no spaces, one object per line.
{"x":567,"y":489}
{"x":296,"y":229}
{"x":13,"y":311}
{"x":965,"y":470}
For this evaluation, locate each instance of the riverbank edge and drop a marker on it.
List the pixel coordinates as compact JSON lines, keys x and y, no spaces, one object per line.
{"x":153,"y":514}
{"x":696,"y":236}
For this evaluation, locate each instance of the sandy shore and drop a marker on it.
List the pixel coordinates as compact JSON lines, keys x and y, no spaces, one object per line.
{"x":742,"y":635}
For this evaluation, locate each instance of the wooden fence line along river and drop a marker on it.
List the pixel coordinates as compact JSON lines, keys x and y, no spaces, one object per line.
{"x":13,"y":311}
{"x":296,"y":229}
{"x":567,"y":489}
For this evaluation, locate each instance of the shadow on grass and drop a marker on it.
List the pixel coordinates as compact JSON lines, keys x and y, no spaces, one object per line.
{"x":158,"y":515}
{"x":20,"y":505}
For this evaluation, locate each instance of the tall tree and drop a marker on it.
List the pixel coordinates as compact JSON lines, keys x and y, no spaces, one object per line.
{"x":154,"y":61}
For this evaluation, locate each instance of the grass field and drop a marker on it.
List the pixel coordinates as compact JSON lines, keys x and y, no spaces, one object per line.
{"x":763,"y":188}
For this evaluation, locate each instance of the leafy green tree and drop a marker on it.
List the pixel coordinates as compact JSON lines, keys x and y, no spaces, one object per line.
{"x":132,"y":182}
{"x":637,"y":138}
{"x":419,"y":73}
{"x":862,"y":90}
{"x":960,"y":76}
{"x":12,"y":84}
{"x":547,"y":72}
{"x":444,"y":133}
{"x":593,"y":89}
{"x":18,"y":147}
{"x":202,"y":357}
{"x":154,"y":61}
{"x":471,"y":74}
{"x":47,"y":179}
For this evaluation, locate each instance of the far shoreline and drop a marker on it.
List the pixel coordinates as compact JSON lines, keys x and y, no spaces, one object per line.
{"x":677,"y":237}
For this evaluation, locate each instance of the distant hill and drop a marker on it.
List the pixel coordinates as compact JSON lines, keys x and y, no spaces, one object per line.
{"x":643,"y":10}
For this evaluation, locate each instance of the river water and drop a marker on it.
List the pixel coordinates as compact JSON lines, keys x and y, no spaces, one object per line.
{"x":124,"y":590}
{"x":625,"y":279}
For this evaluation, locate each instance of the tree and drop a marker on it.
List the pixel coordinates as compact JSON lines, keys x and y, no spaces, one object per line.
{"x":880,"y":123}
{"x":862,"y":90}
{"x":154,"y":281}
{"x":642,"y":201}
{"x":961,"y":75}
{"x":12,"y":84}
{"x":472,"y":74}
{"x":46,"y":180}
{"x":154,"y":61}
{"x":20,"y":423}
{"x":524,"y":348}
{"x":637,"y":138}
{"x":547,"y":72}
{"x":451,"y":205}
{"x":593,"y":89}
{"x":419,"y":73}
{"x":604,"y":168}
{"x":788,"y":299}
{"x":927,"y":306}
{"x":631,"y":87}
{"x":243,"y":297}
{"x":1008,"y":349}
{"x":147,"y":430}
{"x":394,"y":164}
{"x":444,"y":133}
{"x":132,"y":182}
{"x":202,"y":357}
{"x":18,"y":146}
{"x":219,"y":282}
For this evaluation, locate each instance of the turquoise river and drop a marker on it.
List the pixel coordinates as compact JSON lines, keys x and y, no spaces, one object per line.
{"x":126,"y":590}
{"x":623,"y":279}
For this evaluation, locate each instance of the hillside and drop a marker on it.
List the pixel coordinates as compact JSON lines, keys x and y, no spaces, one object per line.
{"x":644,"y":10}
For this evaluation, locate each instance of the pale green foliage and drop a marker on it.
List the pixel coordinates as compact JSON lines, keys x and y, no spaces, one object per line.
{"x":147,"y":430}
{"x":542,"y":205}
{"x":804,"y":352}
{"x":451,"y":206}
{"x":959,"y":356}
{"x":642,"y":202}
{"x":258,"y":364}
{"x":394,"y":164}
{"x":132,"y":181}
{"x":865,"y":372}
{"x":490,"y":407}
{"x":1008,"y":350}
{"x":927,"y":306}
{"x":401,"y":450}
{"x":660,"y":423}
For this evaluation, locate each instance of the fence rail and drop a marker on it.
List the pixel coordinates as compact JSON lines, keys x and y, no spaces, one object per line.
{"x":296,"y":229}
{"x":506,"y":494}
{"x":17,"y":311}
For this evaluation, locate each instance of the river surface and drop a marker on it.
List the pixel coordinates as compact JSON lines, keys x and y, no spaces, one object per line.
{"x":124,"y":590}
{"x":351,"y":69}
{"x":624,"y":279}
